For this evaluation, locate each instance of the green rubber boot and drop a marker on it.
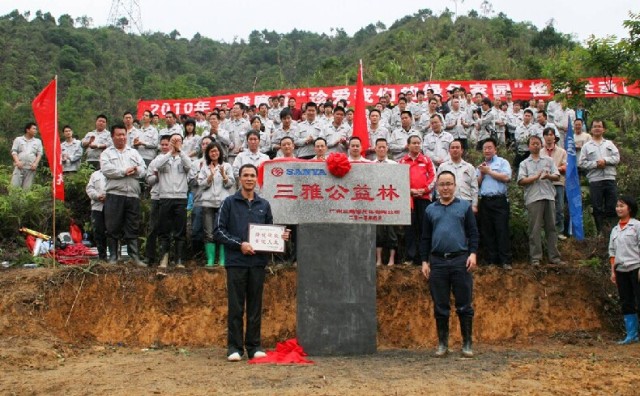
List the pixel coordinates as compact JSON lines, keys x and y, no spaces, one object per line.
{"x":210,"y":250}
{"x":221,"y":261}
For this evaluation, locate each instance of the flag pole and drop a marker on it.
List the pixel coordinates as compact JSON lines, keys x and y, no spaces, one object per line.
{"x":55,"y":169}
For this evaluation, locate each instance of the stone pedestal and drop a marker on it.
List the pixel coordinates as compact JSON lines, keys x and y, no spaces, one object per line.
{"x":336,"y":308}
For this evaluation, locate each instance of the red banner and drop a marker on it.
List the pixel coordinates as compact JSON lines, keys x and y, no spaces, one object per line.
{"x":597,"y":87}
{"x":45,"y":109}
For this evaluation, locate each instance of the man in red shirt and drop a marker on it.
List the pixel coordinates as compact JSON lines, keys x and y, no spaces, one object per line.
{"x":296,"y":114}
{"x":421,"y":181}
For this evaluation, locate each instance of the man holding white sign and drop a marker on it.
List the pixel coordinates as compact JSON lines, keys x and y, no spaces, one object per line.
{"x":244,"y":265}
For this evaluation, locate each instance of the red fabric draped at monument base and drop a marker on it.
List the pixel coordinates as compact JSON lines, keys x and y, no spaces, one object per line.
{"x":287,"y":352}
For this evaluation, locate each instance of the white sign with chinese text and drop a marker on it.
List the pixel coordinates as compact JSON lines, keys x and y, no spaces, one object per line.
{"x":266,"y":238}
{"x":305,"y":192}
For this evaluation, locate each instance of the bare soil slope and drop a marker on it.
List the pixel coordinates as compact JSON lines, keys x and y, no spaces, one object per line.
{"x":120,"y":330}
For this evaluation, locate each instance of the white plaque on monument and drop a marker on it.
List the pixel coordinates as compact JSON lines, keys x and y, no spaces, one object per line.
{"x":305,"y":192}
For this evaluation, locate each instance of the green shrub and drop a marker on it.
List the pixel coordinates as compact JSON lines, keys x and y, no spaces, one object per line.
{"x":34,"y":208}
{"x":76,"y":199}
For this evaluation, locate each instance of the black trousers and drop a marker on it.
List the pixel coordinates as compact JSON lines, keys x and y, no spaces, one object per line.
{"x":172,"y":215}
{"x":493,"y":215}
{"x":413,"y":233}
{"x":99,"y":235}
{"x":152,"y":237}
{"x":292,"y":244}
{"x":603,"y":201}
{"x":244,"y":288}
{"x":629,"y":291}
{"x":121,"y":217}
{"x":386,"y":237}
{"x":451,"y":276}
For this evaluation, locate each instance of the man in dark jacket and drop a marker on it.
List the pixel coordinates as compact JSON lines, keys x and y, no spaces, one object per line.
{"x":245,"y":267}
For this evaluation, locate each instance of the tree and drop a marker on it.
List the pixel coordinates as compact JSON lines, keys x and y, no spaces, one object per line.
{"x":549,"y":38}
{"x":614,"y":58}
{"x":101,"y":69}
{"x":84,"y":21}
{"x":122,"y":23}
{"x":16,"y":16}
{"x":46,"y":17}
{"x":566,"y":72}
{"x":455,"y":3}
{"x":487,"y":8}
{"x":424,"y":13}
{"x":65,"y":20}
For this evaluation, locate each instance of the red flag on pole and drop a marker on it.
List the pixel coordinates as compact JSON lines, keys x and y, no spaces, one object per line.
{"x":45,"y":109}
{"x":359,"y":114}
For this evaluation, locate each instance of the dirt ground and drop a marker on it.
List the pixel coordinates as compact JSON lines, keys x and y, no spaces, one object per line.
{"x":120,"y":330}
{"x":581,"y":364}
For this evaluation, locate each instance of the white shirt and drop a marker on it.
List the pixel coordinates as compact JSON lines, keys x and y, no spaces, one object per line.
{"x":247,"y":157}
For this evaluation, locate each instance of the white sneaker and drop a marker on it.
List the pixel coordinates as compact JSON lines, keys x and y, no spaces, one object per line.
{"x":259,"y":355}
{"x":234,"y":357}
{"x":562,"y":237}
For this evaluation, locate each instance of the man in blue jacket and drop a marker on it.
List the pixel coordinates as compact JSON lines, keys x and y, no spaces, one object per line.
{"x":245,"y":267}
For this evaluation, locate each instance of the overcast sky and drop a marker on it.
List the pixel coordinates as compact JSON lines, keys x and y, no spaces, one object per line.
{"x":236,"y":19}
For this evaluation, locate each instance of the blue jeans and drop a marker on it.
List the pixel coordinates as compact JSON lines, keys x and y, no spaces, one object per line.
{"x":197,"y":226}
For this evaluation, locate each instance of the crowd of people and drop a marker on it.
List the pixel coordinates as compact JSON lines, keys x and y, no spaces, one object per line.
{"x":196,"y":163}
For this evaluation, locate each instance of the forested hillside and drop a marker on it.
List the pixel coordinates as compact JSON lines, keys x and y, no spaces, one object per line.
{"x":104,"y":70}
